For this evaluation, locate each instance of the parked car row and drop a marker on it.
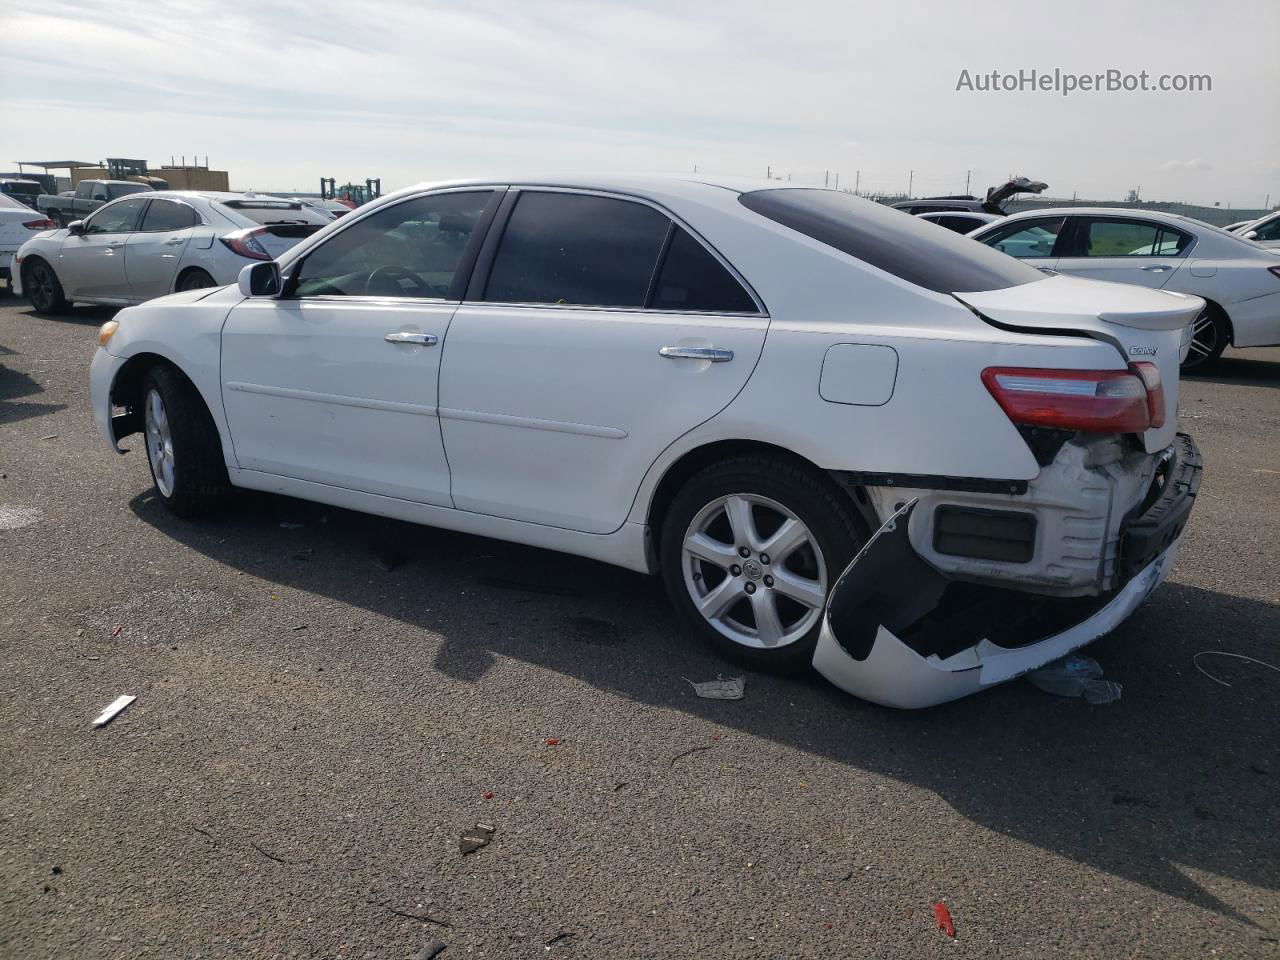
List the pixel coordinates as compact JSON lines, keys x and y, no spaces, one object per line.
{"x":925,"y":470}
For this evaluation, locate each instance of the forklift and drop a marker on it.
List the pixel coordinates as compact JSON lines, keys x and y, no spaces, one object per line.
{"x":352,"y":194}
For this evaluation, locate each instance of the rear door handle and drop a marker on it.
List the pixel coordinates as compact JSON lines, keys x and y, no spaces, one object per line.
{"x":116,"y":245}
{"x":426,"y":339}
{"x":174,"y":241}
{"x":714,"y":354}
{"x":1158,"y":268}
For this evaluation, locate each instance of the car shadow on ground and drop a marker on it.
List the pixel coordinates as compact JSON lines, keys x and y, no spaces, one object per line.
{"x":1173,"y":787}
{"x":15,"y":387}
{"x":1242,"y":372}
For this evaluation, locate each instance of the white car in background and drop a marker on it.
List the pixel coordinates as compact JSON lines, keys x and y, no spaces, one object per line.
{"x":18,"y":223}
{"x":730,"y":384}
{"x":147,"y":245}
{"x":1265,"y":231}
{"x":960,"y":221}
{"x":1238,"y":280}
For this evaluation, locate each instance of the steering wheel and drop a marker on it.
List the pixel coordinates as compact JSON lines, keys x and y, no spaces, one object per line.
{"x":394,"y":273}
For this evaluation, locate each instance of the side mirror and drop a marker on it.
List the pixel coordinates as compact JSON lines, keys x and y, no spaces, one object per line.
{"x":260,"y":279}
{"x":76,"y":228}
{"x":1251,"y":235}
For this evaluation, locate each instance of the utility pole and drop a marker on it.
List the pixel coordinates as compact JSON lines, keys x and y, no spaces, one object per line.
{"x":1267,"y":203}
{"x":857,"y":182}
{"x":838,"y":183}
{"x":911,"y":178}
{"x":768,"y":173}
{"x":967,"y":174}
{"x":826,"y":175}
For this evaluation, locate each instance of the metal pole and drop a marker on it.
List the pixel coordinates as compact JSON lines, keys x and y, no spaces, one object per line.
{"x":838,"y":182}
{"x":857,"y":181}
{"x":967,"y":174}
{"x":911,"y":178}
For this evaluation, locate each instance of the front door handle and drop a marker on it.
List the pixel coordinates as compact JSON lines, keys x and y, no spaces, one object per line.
{"x":425,"y":339}
{"x":1158,"y":268}
{"x":116,"y":245}
{"x":174,"y":241}
{"x":714,"y":354}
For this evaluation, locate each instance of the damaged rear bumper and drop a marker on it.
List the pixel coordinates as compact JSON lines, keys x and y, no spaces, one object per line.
{"x":899,"y":632}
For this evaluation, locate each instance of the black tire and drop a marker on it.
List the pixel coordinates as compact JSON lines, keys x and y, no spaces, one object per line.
{"x":1210,"y":333}
{"x":194,"y":280}
{"x":199,"y":483}
{"x":813,"y":498}
{"x":40,"y":284}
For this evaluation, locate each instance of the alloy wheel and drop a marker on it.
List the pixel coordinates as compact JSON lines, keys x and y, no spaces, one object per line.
{"x":1204,"y":339}
{"x":159,"y":443}
{"x":41,"y":292}
{"x":754,"y":571}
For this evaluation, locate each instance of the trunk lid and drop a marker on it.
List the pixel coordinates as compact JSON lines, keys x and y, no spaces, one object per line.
{"x":1143,"y":325}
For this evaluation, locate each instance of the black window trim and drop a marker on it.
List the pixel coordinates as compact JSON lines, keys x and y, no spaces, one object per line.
{"x":480,"y":276}
{"x":462,"y":276}
{"x":1079,"y":226}
{"x":200,"y":220}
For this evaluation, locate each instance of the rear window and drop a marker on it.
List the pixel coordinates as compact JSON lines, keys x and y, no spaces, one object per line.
{"x":907,"y":247}
{"x":276,"y":211}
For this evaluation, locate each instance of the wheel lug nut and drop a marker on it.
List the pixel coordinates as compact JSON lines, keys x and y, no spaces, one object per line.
{"x":768,"y":581}
{"x":744,"y":552}
{"x":764,"y":558}
{"x":735,"y":570}
{"x":751,"y":588}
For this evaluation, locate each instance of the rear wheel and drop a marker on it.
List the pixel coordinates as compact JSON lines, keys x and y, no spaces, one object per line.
{"x":195,"y":280}
{"x":183,"y":446}
{"x":41,"y":286}
{"x":749,"y":550}
{"x":1209,"y":335}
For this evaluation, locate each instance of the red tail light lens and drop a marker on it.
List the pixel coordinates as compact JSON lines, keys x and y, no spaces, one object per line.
{"x":245,"y":243}
{"x":1094,"y":401}
{"x":1150,"y":375}
{"x":39,"y":224}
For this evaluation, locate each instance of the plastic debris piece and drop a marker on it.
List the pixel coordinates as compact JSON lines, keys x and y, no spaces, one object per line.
{"x":473,"y":838}
{"x":117,"y":630}
{"x":431,"y":950}
{"x":1075,"y":676}
{"x":553,"y":741}
{"x":113,"y":710}
{"x":488,"y":794}
{"x":733,"y":688}
{"x":943,"y":917}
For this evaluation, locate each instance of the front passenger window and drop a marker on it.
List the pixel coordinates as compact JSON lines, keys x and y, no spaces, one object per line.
{"x":1026,"y":240}
{"x":411,"y":249}
{"x":119,"y":217}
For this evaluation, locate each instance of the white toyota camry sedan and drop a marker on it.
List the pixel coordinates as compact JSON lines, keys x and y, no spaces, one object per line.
{"x":146,"y":245}
{"x":844,"y":437}
{"x":1238,"y":280}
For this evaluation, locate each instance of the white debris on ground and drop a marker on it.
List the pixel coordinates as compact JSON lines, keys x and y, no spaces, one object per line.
{"x":15,"y":515}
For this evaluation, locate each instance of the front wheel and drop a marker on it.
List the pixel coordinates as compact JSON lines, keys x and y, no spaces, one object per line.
{"x":749,"y":549}
{"x":41,"y":286}
{"x":184,"y":450}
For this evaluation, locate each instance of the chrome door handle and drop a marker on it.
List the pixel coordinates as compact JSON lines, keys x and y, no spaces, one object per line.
{"x":426,"y":339}
{"x":174,"y":241}
{"x":1157,"y":268}
{"x":714,"y":354}
{"x":115,"y":246}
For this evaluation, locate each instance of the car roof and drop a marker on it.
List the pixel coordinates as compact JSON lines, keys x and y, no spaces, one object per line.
{"x":1106,"y":212}
{"x":619,"y":183}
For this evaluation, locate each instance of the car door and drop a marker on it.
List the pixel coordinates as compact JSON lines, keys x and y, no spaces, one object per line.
{"x":336,"y":381}
{"x":595,"y":333}
{"x":91,"y":263}
{"x":1036,"y":240}
{"x":1123,"y":250}
{"x":152,"y":253}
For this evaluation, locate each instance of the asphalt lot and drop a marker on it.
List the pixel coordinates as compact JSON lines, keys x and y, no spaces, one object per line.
{"x":323,"y":708}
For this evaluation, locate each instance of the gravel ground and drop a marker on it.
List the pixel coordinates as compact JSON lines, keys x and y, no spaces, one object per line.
{"x":313,"y":731}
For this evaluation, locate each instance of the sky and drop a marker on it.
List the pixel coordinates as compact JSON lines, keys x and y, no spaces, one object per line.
{"x":283,"y":92}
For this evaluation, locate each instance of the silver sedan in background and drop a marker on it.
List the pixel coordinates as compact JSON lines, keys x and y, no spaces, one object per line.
{"x":140,"y":247}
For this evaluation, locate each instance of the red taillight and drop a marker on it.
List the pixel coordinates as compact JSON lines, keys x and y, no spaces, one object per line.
{"x":1095,"y":401}
{"x":39,"y":224}
{"x":1150,"y":375}
{"x":245,"y":243}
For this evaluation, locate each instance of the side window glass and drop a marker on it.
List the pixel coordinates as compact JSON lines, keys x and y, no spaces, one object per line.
{"x":577,"y":249}
{"x":165,"y":215}
{"x":411,"y":249}
{"x":1121,"y":238}
{"x":1172,"y":243}
{"x":1027,"y":239}
{"x":119,"y":217}
{"x":82,"y":191}
{"x":691,"y":278}
{"x":1269,"y":231}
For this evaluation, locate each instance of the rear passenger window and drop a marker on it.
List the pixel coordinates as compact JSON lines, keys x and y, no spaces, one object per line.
{"x":692,"y":279}
{"x":577,"y":249}
{"x":165,"y":215}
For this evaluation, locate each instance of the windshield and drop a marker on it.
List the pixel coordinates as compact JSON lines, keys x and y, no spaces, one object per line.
{"x":268,"y":212}
{"x":896,"y":242}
